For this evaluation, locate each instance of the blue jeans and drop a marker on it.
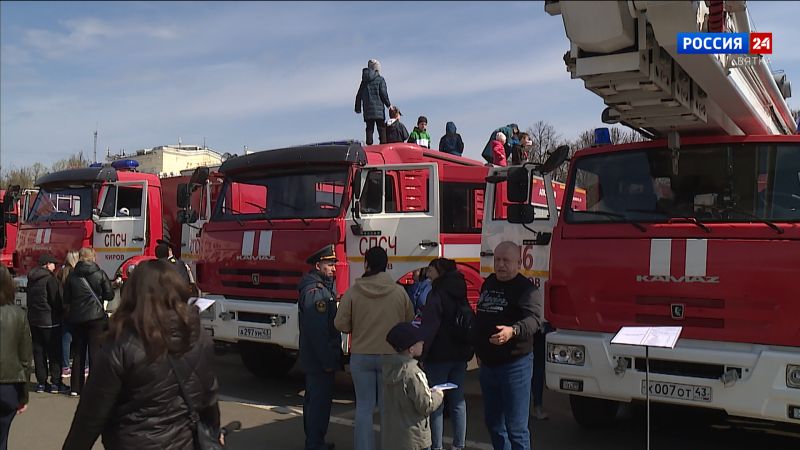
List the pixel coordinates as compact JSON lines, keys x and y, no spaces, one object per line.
{"x":453,"y":372}
{"x":66,"y":342}
{"x":506,"y":391}
{"x":367,"y":380}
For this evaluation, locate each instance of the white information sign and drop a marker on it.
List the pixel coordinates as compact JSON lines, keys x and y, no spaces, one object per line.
{"x":665,"y":337}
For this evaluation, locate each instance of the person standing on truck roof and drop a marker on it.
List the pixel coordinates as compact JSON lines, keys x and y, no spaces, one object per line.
{"x":451,"y":141}
{"x":86,"y":289}
{"x":509,"y":313}
{"x":368,"y":310}
{"x":320,"y":345}
{"x":511,"y":131}
{"x":498,"y":150}
{"x":373,"y":95}
{"x":45,"y":311}
{"x":420,"y":135}
{"x":395,"y":130}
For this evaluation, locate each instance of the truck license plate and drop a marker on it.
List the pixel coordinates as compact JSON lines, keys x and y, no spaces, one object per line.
{"x":255,"y":333}
{"x":689,"y":392}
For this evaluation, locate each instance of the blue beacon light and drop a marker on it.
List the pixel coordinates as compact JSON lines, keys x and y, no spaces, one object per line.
{"x":602,"y":136}
{"x":125,"y":164}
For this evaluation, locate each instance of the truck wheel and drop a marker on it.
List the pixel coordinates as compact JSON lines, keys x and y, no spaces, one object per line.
{"x":593,"y":413}
{"x":265,"y":360}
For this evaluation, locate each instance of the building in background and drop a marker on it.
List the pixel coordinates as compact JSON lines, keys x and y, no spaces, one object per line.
{"x":170,"y":160}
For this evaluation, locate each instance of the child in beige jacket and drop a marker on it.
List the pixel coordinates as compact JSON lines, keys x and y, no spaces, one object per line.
{"x":408,"y":401}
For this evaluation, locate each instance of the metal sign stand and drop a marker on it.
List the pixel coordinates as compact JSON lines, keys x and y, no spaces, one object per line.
{"x":663,"y":337}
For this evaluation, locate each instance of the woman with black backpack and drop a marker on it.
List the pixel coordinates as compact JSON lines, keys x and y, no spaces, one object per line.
{"x":446,"y":319}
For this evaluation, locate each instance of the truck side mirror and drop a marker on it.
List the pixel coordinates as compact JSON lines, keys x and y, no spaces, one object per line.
{"x":188,"y":216}
{"x":184,"y":195}
{"x":555,"y":160}
{"x":520,"y":213}
{"x":518,"y":184}
{"x":199,"y":176}
{"x":357,"y":185}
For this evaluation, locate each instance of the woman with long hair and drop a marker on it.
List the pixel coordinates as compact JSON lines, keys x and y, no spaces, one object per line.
{"x":16,"y":352}
{"x":446,"y":352}
{"x":66,"y":337}
{"x":154,"y":347}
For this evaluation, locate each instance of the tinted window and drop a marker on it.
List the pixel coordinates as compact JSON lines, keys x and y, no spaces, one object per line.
{"x":731,"y":183}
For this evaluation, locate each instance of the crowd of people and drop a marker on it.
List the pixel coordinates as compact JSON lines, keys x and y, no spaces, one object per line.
{"x":66,"y":320}
{"x":144,"y":375}
{"x":506,"y":144}
{"x":409,"y":355}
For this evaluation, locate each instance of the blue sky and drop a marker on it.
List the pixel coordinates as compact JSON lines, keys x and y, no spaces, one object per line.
{"x":268,"y":75}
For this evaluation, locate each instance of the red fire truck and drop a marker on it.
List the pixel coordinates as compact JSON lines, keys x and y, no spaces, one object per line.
{"x":277,"y":207}
{"x":698,"y":228}
{"x":114,"y":209}
{"x":9,"y":221}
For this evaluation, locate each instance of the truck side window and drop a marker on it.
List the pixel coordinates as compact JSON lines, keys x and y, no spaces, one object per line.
{"x":109,"y":202}
{"x":459,"y":207}
{"x":129,"y":200}
{"x":372,"y":193}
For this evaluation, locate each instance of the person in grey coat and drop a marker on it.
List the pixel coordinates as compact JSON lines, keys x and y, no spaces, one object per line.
{"x":372,"y":94}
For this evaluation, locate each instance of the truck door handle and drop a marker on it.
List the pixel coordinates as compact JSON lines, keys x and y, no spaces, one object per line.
{"x":137,"y":239}
{"x":487,"y":253}
{"x":427,"y":243}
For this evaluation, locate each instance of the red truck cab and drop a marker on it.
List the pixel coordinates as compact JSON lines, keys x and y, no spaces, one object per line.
{"x":705,"y":236}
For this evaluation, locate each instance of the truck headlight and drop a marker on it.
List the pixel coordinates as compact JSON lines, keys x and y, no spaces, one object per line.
{"x":793,"y":376}
{"x":574,"y":355}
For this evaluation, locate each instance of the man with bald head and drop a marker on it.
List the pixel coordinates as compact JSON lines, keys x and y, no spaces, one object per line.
{"x":509,"y":313}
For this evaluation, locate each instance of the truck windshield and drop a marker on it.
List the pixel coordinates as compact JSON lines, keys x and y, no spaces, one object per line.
{"x":296,"y":195}
{"x":62,"y":204}
{"x":722,"y":183}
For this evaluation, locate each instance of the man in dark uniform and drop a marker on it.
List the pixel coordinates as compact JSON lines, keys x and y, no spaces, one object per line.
{"x":320,"y":345}
{"x":164,"y":251}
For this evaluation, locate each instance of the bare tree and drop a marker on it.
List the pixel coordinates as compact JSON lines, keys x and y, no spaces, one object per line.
{"x":22,"y":176}
{"x":74,"y":161}
{"x":545,"y":139}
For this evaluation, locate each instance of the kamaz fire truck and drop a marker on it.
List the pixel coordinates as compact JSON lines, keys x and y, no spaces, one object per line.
{"x":114,"y":209}
{"x":698,"y":228}
{"x":9,"y":221}
{"x":277,"y":207}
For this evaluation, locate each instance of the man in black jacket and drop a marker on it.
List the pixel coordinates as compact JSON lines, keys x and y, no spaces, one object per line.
{"x":320,"y":345}
{"x":84,"y":293}
{"x":509,"y":313}
{"x":373,"y":95}
{"x":44,"y":316}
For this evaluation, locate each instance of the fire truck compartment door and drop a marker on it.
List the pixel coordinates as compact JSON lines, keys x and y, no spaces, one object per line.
{"x":190,"y":232}
{"x":399,"y":211}
{"x":120,"y":231}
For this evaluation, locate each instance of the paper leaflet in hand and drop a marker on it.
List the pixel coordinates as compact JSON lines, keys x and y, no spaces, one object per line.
{"x":445,"y":386}
{"x":200,"y":302}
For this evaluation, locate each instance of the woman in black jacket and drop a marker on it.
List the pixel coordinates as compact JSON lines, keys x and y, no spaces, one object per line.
{"x":446,"y":354}
{"x":15,"y":357}
{"x":133,"y":397}
{"x":86,"y":289}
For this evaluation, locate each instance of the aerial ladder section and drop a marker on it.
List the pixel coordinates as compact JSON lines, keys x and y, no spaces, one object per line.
{"x":626,"y":52}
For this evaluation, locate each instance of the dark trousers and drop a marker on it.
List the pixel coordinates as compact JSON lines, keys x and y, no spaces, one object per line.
{"x":317,"y":408}
{"x":371,"y":124}
{"x":47,"y":354}
{"x":9,"y":402}
{"x":85,"y":335}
